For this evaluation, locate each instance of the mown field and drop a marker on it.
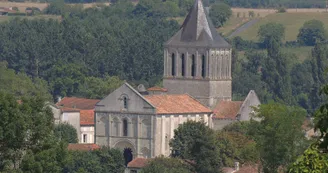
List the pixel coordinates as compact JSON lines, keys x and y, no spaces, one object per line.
{"x":292,"y":22}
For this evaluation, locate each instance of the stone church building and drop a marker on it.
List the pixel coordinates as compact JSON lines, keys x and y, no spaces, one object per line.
{"x":197,"y":80}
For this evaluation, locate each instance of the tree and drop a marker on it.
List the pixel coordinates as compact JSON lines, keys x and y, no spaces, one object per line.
{"x":102,"y":160}
{"x":220,"y":13}
{"x":312,"y":31}
{"x":66,"y":133}
{"x":164,"y":165}
{"x":98,"y":88}
{"x":271,"y":35}
{"x":280,"y":137}
{"x":13,"y":132}
{"x":20,"y":84}
{"x":312,"y":160}
{"x":24,"y":126}
{"x":196,"y":142}
{"x":235,"y":146}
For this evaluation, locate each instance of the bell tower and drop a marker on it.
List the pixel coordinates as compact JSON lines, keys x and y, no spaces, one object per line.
{"x":197,"y":60}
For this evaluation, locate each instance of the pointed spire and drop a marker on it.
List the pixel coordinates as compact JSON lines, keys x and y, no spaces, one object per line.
{"x":197,"y":30}
{"x":195,"y":23}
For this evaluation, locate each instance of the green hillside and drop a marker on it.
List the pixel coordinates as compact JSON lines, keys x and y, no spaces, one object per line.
{"x":292,"y":22}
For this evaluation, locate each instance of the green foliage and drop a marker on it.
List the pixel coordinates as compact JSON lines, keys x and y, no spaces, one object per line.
{"x":235,"y":146}
{"x":313,"y":160}
{"x":66,"y":133}
{"x":88,"y":45}
{"x":167,"y":165}
{"x":25,"y":126}
{"x":98,"y":88}
{"x":281,"y":10}
{"x":271,"y":34}
{"x":280,"y":138}
{"x":251,"y":14}
{"x":311,"y":32}
{"x":20,"y":84}
{"x":104,"y":160}
{"x":196,"y":142}
{"x":220,"y":13}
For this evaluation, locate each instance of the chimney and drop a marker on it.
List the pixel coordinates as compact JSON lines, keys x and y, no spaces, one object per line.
{"x":59,"y":98}
{"x":236,"y":166}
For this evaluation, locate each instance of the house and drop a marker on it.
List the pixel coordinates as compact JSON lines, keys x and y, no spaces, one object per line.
{"x":142,"y":125}
{"x":79,"y":112}
{"x":227,"y":112}
{"x":5,"y":11}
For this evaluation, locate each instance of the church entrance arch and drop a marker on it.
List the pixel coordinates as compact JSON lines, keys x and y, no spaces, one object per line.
{"x":128,"y":150}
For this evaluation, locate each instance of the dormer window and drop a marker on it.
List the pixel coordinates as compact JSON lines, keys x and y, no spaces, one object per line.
{"x":125,"y":102}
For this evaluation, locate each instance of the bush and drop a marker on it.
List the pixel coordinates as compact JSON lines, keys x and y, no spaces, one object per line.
{"x":251,"y":14}
{"x":312,"y":31}
{"x":220,"y":13}
{"x":15,"y":8}
{"x":281,"y":10}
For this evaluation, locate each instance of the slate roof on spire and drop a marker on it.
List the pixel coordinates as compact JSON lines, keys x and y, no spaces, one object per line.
{"x":197,"y":30}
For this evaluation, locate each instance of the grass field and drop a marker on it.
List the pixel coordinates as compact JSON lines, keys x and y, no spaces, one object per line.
{"x":292,"y":22}
{"x":232,"y":24}
{"x":302,"y":53}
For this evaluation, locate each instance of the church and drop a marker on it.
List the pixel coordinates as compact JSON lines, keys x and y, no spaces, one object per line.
{"x":197,"y":85}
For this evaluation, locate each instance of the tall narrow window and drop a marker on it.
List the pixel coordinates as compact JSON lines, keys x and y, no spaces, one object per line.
{"x":203,"y":66}
{"x":125,"y":127}
{"x":125,"y":102}
{"x":85,"y":138}
{"x":193,"y":66}
{"x":173,"y":64}
{"x":182,"y":65}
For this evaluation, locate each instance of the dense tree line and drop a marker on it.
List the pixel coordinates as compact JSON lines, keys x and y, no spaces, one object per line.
{"x":279,"y":76}
{"x":88,"y":46}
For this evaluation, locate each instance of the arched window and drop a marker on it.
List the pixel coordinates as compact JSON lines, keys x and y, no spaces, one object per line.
{"x":173,"y":64}
{"x":125,"y":127}
{"x":193,"y":66}
{"x":182,"y":65}
{"x":125,"y":102}
{"x":203,"y":66}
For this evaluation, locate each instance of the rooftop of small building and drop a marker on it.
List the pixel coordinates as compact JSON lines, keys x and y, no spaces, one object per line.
{"x":83,"y":147}
{"x":77,"y":103}
{"x":227,"y":109}
{"x":87,"y":117}
{"x":138,"y":163}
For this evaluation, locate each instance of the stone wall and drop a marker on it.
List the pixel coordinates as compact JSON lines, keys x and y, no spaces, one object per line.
{"x":110,"y":132}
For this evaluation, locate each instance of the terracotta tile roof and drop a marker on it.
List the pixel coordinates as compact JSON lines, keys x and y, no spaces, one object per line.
{"x":227,"y":109}
{"x":83,"y":147}
{"x":87,"y":117}
{"x":65,"y":109}
{"x":138,"y":163}
{"x":174,"y":104}
{"x":157,"y":88}
{"x":78,"y":103}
